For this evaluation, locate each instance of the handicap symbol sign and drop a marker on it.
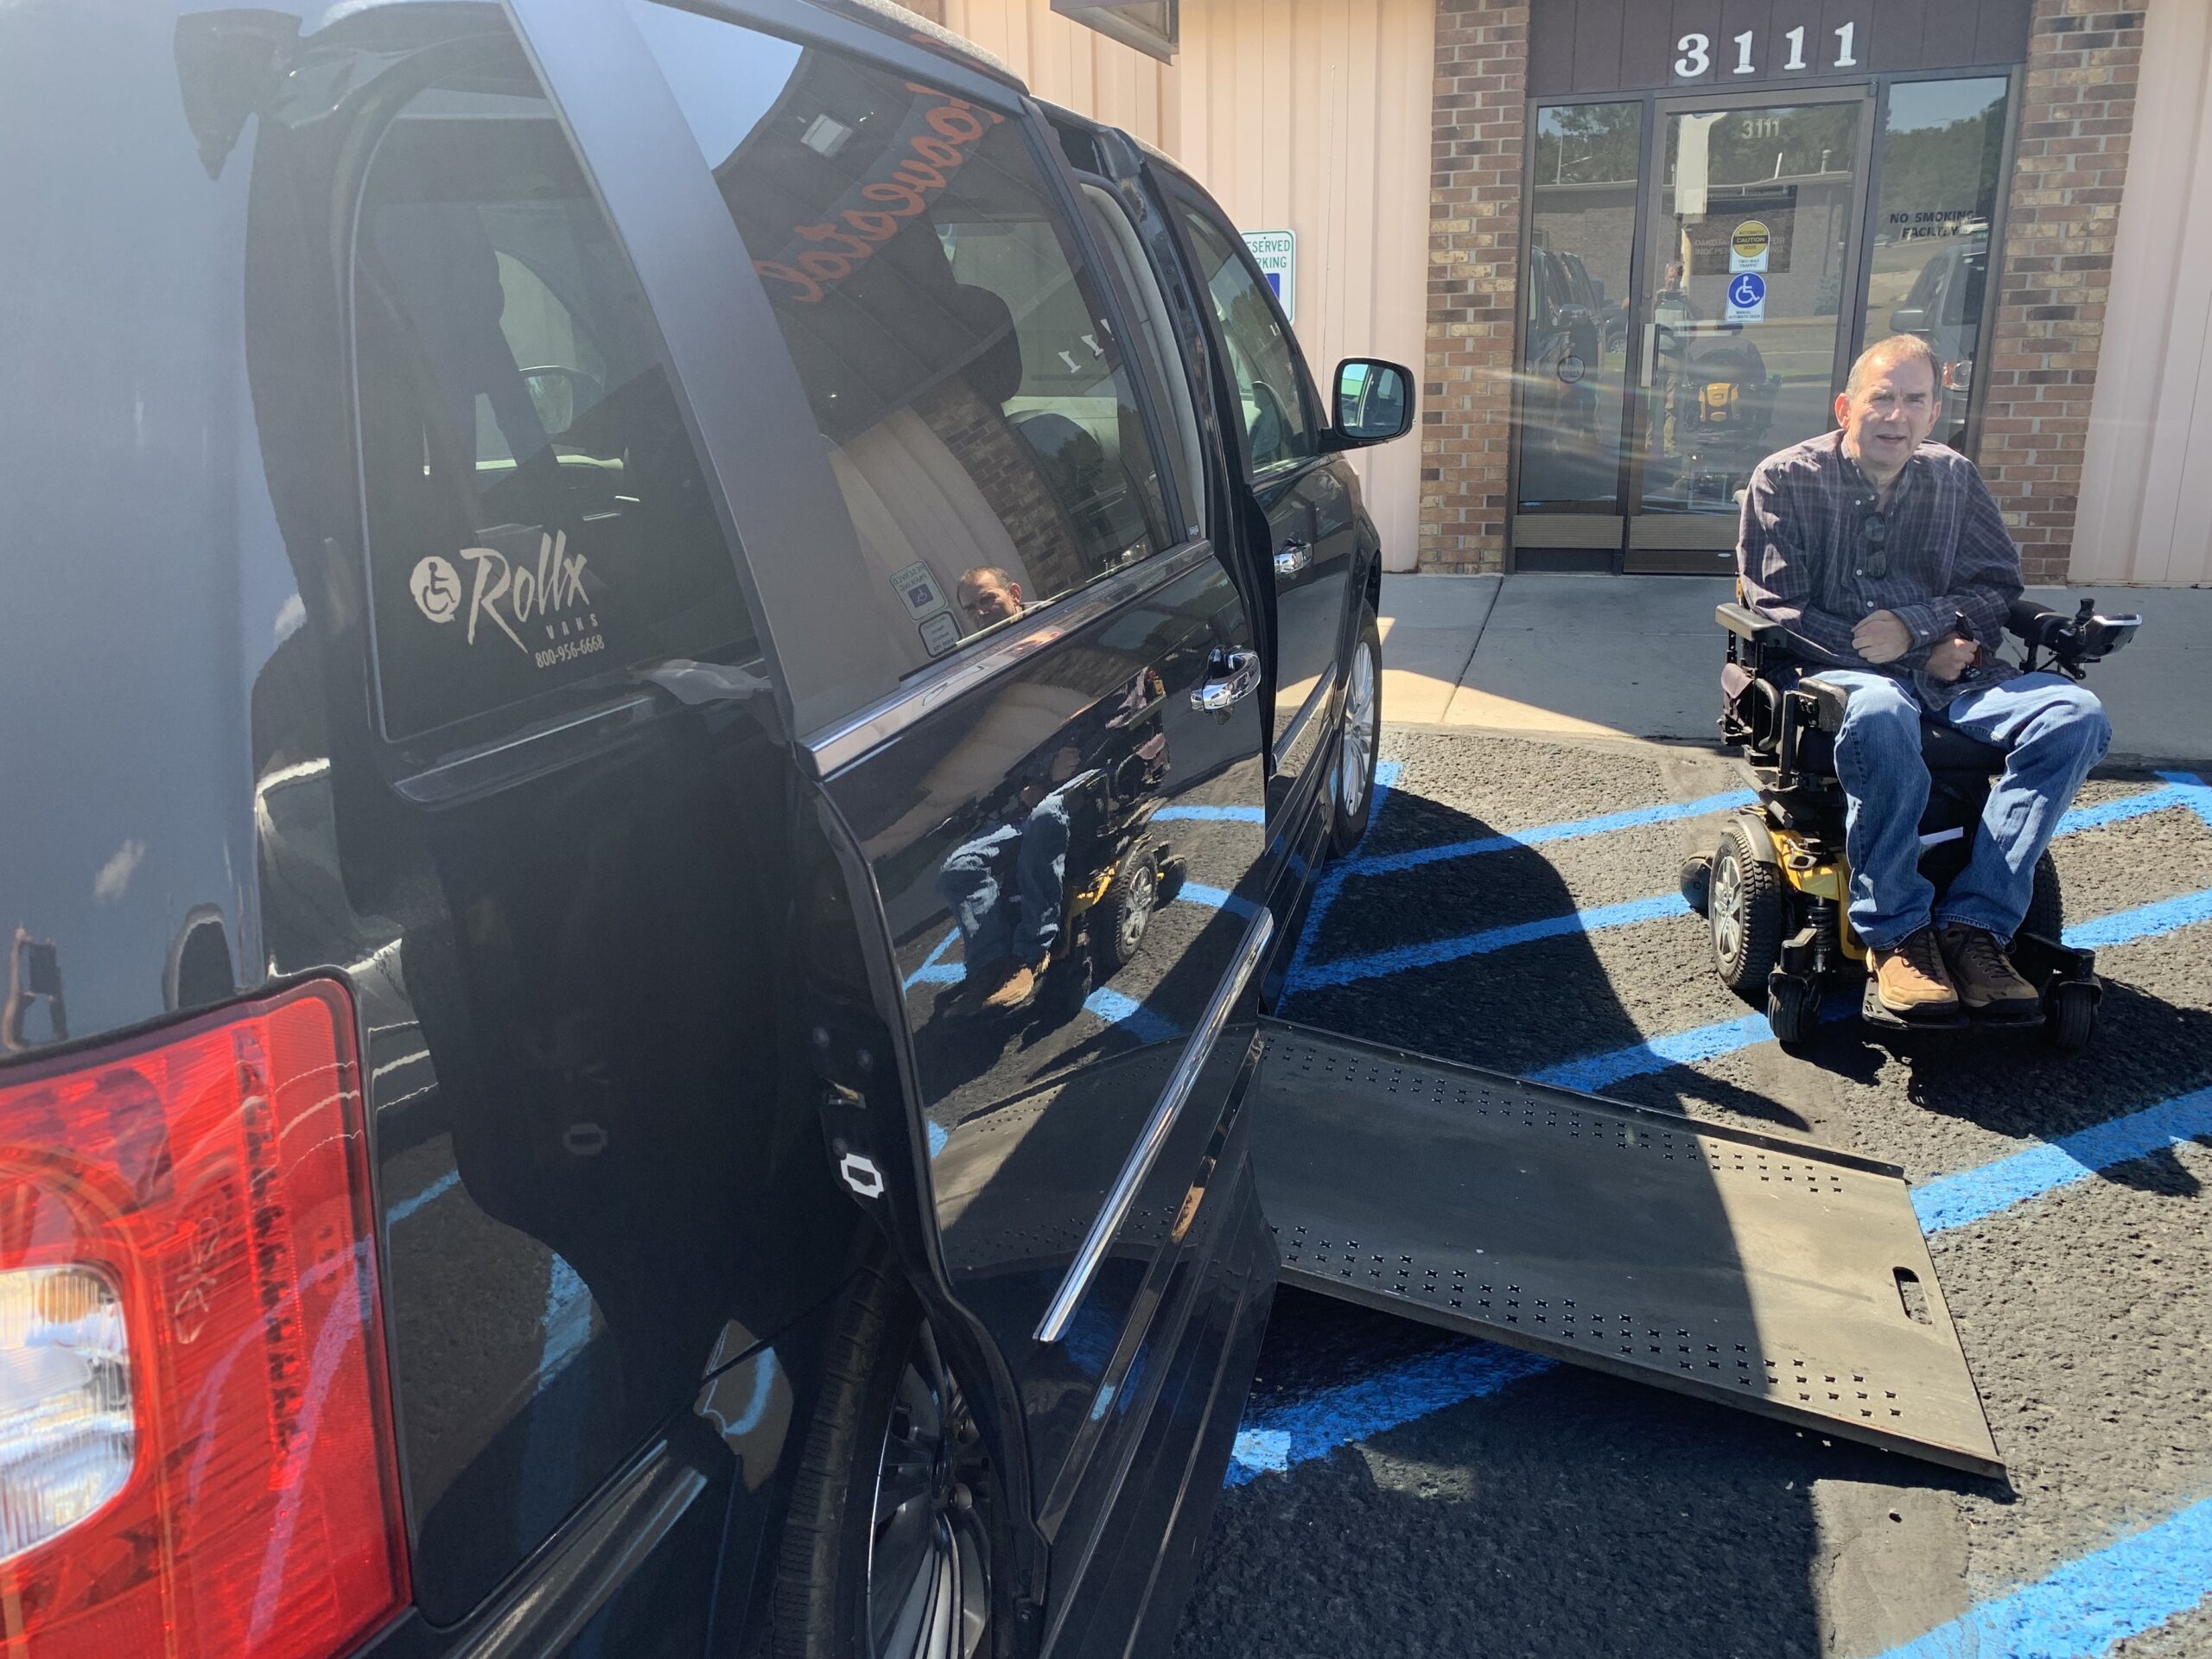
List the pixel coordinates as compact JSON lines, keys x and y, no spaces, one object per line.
{"x":1746,"y":297}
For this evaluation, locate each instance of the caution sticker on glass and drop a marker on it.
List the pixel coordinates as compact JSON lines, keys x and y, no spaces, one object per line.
{"x":1747,"y":247}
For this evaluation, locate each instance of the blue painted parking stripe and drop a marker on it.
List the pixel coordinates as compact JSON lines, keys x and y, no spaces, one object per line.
{"x":1142,"y":1023}
{"x":1234,"y":813}
{"x":1573,"y":829}
{"x":1274,"y":1438}
{"x":1198,"y":892}
{"x":2144,"y":922}
{"x":1956,"y":1200}
{"x":2127,"y":806}
{"x":430,"y":1194}
{"x":1343,"y":971}
{"x":2086,"y":1607}
{"x":935,"y":971}
{"x":2199,"y":793}
{"x":1595,"y":1071}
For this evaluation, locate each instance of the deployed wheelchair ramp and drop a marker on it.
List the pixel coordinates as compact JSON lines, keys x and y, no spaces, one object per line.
{"x":1783,"y":1279}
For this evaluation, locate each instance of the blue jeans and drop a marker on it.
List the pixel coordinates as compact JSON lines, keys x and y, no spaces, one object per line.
{"x":974,"y":879}
{"x":2052,"y":732}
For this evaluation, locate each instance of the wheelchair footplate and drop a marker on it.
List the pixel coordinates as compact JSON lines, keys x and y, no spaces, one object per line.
{"x":2061,"y":973}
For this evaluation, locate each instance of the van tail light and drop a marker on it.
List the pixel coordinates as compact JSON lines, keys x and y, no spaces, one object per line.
{"x":196,"y":1448}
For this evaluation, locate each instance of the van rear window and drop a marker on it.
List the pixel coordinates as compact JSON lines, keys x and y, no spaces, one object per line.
{"x":536,"y":516}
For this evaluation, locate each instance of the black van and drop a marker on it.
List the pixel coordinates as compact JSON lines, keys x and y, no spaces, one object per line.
{"x":668,"y":671}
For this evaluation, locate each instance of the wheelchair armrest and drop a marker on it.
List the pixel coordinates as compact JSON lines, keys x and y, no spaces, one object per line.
{"x":2033,"y":623}
{"x":2085,"y":637}
{"x":1829,"y":700}
{"x":1744,"y":622}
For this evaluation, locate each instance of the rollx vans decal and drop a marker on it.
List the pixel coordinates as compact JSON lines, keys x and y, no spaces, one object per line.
{"x":511,"y":597}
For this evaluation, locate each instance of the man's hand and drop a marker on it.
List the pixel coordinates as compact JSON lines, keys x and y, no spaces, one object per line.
{"x":1951,"y":657}
{"x":1882,"y":638}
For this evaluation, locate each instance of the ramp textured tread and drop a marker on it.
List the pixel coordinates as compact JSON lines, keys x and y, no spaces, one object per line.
{"x":1770,"y":1275}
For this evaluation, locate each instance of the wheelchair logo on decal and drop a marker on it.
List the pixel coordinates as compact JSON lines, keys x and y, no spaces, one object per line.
{"x":1746,"y":297}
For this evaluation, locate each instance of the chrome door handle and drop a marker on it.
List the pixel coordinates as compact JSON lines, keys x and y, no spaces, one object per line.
{"x":1235,"y":677}
{"x":1293,"y":557}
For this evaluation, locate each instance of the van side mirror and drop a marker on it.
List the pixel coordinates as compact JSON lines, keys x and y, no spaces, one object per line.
{"x":1374,"y":402}
{"x":1909,"y":319}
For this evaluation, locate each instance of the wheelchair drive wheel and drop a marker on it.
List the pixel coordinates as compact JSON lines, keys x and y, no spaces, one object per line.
{"x":1743,"y":909}
{"x":1126,"y":909}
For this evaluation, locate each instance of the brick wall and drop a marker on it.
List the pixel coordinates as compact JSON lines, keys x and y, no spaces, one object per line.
{"x":2083,"y":61}
{"x":1474,"y":251}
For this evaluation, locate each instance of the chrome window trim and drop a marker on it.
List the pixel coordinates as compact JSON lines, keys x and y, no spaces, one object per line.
{"x":1180,"y":1085}
{"x":837,"y":746}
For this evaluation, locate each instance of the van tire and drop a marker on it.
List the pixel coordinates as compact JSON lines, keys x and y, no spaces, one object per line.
{"x":884,"y":1379}
{"x":1360,"y":741}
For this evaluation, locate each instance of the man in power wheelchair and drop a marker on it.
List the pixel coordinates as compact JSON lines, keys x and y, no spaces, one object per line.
{"x":1910,"y":781}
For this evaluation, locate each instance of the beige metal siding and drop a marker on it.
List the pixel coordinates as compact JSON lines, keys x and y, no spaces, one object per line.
{"x":1310,"y":116}
{"x":1067,"y":64}
{"x":2146,"y":512}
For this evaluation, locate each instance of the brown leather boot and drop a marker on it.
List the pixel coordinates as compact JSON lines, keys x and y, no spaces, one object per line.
{"x":1912,"y":980}
{"x":1986,"y":980}
{"x":1013,"y":991}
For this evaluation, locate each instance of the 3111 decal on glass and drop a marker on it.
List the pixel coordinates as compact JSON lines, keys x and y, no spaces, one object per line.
{"x":1694,"y":53}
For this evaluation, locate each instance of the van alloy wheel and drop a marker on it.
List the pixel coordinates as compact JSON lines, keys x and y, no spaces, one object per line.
{"x":1356,"y":762}
{"x":929,"y":1556}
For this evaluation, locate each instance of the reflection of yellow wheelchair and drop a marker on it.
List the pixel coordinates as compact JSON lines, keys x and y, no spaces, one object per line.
{"x":1126,"y":874}
{"x":1774,"y":892}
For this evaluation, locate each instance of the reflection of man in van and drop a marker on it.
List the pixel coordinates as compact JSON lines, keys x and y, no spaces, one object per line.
{"x":1025,"y":860}
{"x":989,"y":596}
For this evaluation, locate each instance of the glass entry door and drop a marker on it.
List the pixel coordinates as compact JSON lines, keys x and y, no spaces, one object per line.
{"x":1749,"y":276}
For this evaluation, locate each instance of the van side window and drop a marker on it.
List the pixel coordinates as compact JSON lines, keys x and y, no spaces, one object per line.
{"x":536,"y":516}
{"x":1260,"y":353}
{"x":956,"y":357}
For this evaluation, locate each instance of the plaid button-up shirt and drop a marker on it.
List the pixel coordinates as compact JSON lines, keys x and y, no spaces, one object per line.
{"x":1802,"y":556}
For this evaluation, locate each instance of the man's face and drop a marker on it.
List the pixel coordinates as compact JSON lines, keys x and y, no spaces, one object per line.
{"x":1893,"y":409}
{"x":989,"y":600}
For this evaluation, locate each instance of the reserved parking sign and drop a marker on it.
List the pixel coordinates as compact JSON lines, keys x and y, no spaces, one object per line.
{"x":1276,"y":253}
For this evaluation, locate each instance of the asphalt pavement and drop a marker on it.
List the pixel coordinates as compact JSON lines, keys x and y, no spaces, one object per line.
{"x":1401,"y":1491}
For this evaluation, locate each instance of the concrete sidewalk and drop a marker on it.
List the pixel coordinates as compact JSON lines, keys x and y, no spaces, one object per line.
{"x":1639,"y":657}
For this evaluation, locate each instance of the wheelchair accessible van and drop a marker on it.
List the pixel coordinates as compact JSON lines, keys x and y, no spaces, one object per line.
{"x":1775,"y":893}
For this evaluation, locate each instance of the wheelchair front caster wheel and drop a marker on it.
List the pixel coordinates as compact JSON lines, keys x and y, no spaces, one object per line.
{"x":1696,"y":882}
{"x":1792,"y":1008}
{"x":2069,"y":1017}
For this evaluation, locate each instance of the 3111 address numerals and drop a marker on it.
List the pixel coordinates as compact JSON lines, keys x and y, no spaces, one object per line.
{"x":1696,"y":51}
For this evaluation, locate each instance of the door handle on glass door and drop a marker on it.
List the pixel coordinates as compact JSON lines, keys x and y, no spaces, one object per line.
{"x":1293,"y":557}
{"x":1234,"y":675}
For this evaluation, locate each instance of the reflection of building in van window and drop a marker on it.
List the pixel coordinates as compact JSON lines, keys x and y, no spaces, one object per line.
{"x":978,"y":410}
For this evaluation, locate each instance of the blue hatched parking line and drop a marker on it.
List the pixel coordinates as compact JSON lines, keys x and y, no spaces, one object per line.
{"x":1234,"y":813}
{"x":430,"y":1194}
{"x":1957,"y":1200}
{"x":1595,"y":1071}
{"x":2084,"y":1608}
{"x":1274,"y":1438}
{"x":2144,"y":922}
{"x":1573,"y":829}
{"x":1343,"y":971}
{"x":1141,"y":1022}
